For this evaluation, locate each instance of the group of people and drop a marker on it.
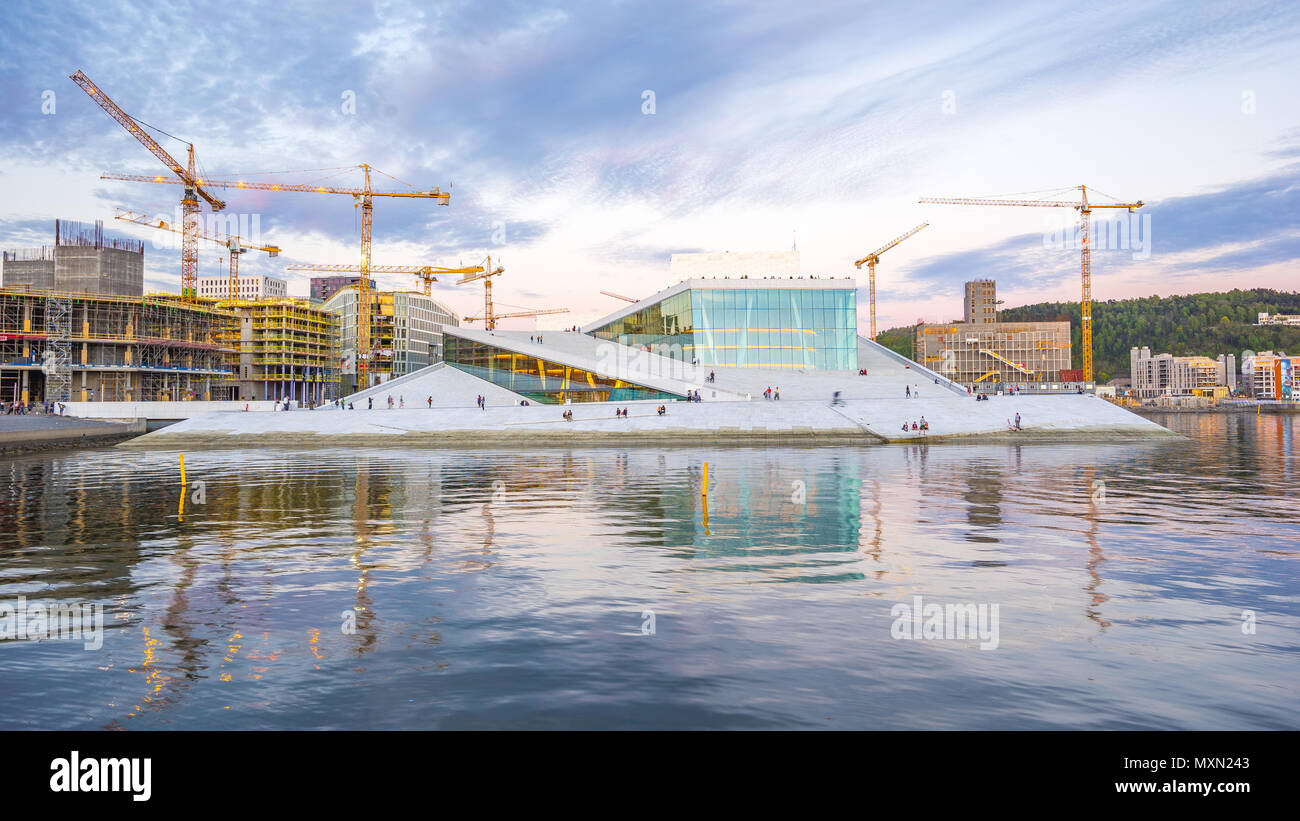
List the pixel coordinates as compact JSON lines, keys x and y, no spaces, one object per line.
{"x":568,"y":415}
{"x":661,"y":410}
{"x":537,"y":339}
{"x":694,"y":396}
{"x":981,"y":397}
{"x":620,"y":411}
{"x":481,"y":401}
{"x":919,"y":427}
{"x":23,"y":408}
{"x":1015,"y":426}
{"x":772,"y":393}
{"x":911,"y":391}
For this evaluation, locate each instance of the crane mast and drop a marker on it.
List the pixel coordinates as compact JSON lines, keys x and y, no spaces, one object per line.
{"x":1085,"y":249}
{"x":185,"y":175}
{"x":870,"y":261}
{"x":233,"y":243}
{"x":363,"y":197}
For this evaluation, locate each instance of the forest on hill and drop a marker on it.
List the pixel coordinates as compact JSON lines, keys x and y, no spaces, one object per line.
{"x":1206,"y":324}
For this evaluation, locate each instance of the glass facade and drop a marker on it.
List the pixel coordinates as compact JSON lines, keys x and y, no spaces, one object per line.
{"x":807,"y":328}
{"x":538,"y":379}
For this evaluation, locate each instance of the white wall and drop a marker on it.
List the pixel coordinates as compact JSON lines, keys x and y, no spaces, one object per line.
{"x":159,"y":410}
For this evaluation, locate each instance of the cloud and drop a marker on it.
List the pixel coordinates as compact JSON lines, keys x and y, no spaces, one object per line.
{"x":826,"y":118}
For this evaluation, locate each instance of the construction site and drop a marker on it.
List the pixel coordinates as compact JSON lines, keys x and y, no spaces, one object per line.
{"x":280,"y":349}
{"x":77,"y":326}
{"x":62,"y":346}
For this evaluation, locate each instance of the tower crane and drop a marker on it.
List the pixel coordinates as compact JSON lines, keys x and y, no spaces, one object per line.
{"x":490,"y":316}
{"x":185,"y":175}
{"x":425,"y":273}
{"x":234,"y":244}
{"x":489,"y":323}
{"x":362,"y":197}
{"x":871,"y":259}
{"x":620,"y":296}
{"x":1085,"y":255}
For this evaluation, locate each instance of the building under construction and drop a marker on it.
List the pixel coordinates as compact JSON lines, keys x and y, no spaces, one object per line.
{"x":81,"y":260}
{"x":983,"y":352}
{"x":405,"y":333}
{"x":71,"y":346}
{"x":281,"y":349}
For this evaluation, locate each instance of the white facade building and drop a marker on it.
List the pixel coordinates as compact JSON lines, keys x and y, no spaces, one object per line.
{"x":1279,"y":319}
{"x":248,"y":287}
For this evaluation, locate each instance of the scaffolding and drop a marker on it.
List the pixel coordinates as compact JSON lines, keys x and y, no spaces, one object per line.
{"x":993,"y":353}
{"x":282,"y":348}
{"x":58,"y":348}
{"x":118,"y":348}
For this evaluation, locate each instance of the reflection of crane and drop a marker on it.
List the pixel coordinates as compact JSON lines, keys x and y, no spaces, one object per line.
{"x":1085,"y":255}
{"x":362,"y":197}
{"x":234,"y":244}
{"x":185,"y":175}
{"x":620,"y":296}
{"x":871,"y":259}
{"x":424,"y":273}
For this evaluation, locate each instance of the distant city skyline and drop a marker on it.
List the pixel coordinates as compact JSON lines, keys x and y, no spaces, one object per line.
{"x":585,"y":146}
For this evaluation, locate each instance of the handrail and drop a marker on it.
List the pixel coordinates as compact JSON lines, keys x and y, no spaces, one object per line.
{"x":944,"y":381}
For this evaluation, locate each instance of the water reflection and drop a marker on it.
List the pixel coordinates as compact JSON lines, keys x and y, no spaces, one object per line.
{"x":496,"y":587}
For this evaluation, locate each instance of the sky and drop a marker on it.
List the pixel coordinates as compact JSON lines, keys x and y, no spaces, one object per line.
{"x":583,"y":144}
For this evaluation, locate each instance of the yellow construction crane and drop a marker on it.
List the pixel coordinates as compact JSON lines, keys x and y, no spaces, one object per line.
{"x":425,"y":273}
{"x":234,"y":244}
{"x":490,"y":316}
{"x":185,"y":175}
{"x":361,"y":197}
{"x":490,"y":322}
{"x":1085,"y":210}
{"x":870,"y":261}
{"x":620,"y":296}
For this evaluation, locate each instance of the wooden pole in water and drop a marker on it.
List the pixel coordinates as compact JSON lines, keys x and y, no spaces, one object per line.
{"x":704,"y":486}
{"x":182,"y":470}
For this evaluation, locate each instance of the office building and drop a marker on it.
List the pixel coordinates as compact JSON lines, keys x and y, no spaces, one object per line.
{"x":246,"y":287}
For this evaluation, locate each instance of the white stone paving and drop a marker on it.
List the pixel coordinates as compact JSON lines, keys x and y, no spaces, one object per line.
{"x":873,"y":404}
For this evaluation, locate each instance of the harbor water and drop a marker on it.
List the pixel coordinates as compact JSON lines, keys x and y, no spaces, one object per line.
{"x":1135,"y":585}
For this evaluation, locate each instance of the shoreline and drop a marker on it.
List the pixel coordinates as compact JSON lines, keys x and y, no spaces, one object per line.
{"x":685,"y":437}
{"x":43,"y":433}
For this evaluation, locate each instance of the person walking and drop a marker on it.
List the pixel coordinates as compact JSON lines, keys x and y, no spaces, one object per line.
{"x":907,"y":391}
{"x":430,"y":402}
{"x":776,"y":395}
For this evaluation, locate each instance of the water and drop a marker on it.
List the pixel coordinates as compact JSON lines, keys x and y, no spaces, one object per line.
{"x":494,"y":588}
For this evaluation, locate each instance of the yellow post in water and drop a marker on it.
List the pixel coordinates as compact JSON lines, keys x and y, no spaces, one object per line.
{"x":704,"y":486}
{"x":182,"y":470}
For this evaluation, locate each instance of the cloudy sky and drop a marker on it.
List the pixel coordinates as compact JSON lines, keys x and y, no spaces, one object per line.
{"x":821,"y":120}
